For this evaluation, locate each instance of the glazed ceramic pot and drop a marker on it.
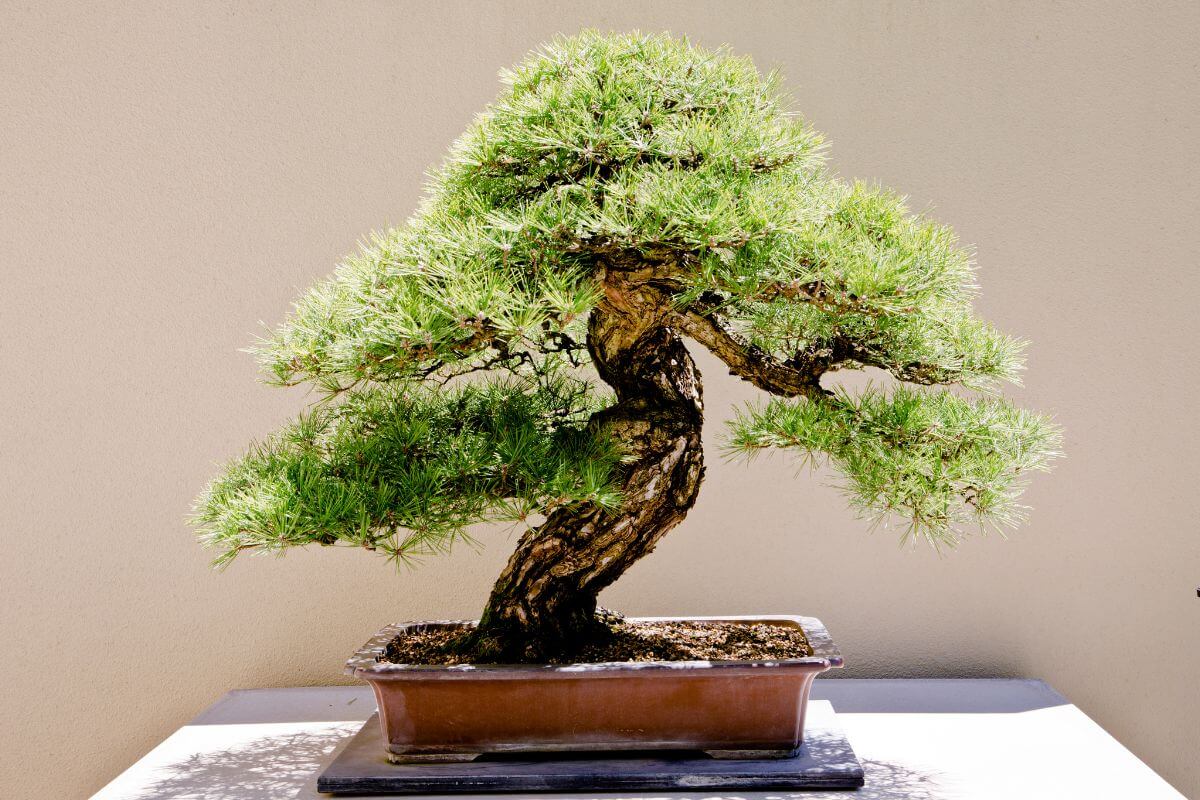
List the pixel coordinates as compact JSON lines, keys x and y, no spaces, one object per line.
{"x":731,"y":709}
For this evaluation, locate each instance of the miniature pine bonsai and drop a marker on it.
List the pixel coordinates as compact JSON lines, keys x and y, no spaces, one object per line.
{"x":515,"y":351}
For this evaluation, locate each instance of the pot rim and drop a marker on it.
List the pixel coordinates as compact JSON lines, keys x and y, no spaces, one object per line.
{"x":365,"y":662}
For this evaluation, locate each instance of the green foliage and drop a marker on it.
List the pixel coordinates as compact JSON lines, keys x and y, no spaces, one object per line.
{"x":598,"y":145}
{"x":938,"y":461}
{"x":603,"y":145}
{"x":607,"y":149}
{"x":871,"y":281}
{"x":405,"y":473}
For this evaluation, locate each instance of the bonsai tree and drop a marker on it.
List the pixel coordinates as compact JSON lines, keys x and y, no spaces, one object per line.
{"x":516,"y":350}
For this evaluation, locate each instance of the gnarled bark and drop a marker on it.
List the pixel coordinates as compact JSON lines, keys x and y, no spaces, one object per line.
{"x":544,"y":602}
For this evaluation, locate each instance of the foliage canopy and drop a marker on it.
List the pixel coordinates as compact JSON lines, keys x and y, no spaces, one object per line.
{"x":631,"y":148}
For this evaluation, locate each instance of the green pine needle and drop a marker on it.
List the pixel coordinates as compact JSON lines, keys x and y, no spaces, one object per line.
{"x":639,"y":148}
{"x":937,"y":462}
{"x":405,"y":474}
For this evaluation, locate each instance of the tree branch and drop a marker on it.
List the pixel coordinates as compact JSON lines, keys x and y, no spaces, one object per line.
{"x":745,"y":360}
{"x":801,"y":373}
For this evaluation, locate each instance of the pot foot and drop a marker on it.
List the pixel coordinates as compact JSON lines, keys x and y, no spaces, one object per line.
{"x":751,"y":755}
{"x":431,"y":758}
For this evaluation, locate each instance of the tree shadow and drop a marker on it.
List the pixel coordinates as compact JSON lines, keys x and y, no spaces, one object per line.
{"x":278,"y":767}
{"x":884,"y":781}
{"x":269,"y":768}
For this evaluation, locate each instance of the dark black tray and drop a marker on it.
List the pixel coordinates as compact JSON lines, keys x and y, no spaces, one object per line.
{"x":826,"y":761}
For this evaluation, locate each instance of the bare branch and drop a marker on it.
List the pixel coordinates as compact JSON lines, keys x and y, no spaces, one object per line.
{"x":745,"y":360}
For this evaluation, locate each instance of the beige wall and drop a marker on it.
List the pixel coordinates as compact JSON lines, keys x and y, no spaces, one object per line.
{"x":172,"y":173}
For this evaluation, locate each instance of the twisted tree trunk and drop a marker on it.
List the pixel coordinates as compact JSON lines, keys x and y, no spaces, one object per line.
{"x":544,"y":603}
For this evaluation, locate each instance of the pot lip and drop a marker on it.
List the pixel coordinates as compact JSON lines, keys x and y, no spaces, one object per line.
{"x":365,"y":662}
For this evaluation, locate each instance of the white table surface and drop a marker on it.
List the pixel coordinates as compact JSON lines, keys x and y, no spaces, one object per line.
{"x":917,"y":739}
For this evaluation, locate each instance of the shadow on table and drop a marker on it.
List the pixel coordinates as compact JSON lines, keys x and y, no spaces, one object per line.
{"x":270,"y":768}
{"x":884,"y":781}
{"x":277,"y":767}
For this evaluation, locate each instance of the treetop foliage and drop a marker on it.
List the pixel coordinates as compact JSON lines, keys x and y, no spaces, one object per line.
{"x":643,"y":145}
{"x":623,"y":148}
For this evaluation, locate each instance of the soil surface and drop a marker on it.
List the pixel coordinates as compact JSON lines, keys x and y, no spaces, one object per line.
{"x":632,"y":641}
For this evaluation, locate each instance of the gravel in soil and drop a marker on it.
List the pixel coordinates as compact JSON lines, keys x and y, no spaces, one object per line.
{"x":632,"y":641}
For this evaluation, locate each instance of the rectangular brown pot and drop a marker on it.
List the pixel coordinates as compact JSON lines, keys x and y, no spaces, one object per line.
{"x":732,"y":709}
